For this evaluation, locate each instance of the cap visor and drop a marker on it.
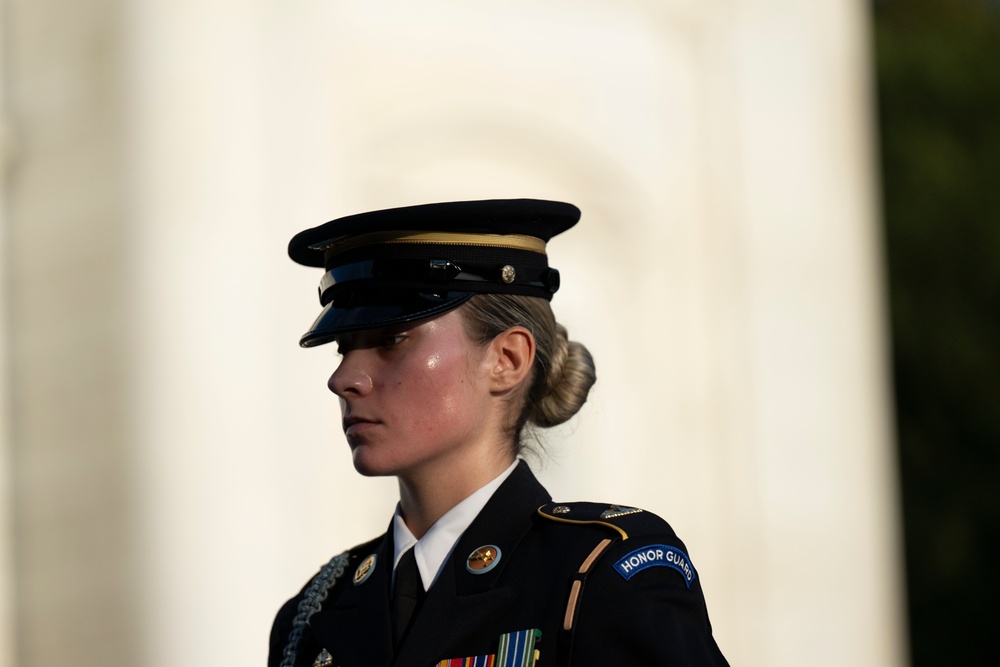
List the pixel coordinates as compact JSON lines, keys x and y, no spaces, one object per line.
{"x":386,"y":311}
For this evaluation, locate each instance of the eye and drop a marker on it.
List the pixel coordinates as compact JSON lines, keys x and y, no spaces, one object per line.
{"x":389,"y":342}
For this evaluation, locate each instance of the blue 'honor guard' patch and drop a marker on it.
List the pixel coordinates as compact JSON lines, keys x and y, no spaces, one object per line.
{"x":656,"y":555}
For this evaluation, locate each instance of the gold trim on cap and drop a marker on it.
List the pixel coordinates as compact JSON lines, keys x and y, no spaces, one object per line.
{"x":513,"y":241}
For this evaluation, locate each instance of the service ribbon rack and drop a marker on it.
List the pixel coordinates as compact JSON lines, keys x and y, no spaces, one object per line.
{"x":515,"y":649}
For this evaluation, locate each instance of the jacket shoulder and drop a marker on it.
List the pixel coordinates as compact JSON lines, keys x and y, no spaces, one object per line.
{"x":631,"y":539}
{"x":637,"y":563}
{"x":295,"y":613}
{"x":349,"y":558}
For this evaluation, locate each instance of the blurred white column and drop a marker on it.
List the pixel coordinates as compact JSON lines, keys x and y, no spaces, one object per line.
{"x":822,"y":480}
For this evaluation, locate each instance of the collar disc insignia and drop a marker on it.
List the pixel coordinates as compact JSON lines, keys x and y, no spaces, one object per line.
{"x":483,"y":559}
{"x":364,"y":570}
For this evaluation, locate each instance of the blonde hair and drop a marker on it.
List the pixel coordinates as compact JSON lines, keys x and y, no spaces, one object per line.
{"x":563,"y":371}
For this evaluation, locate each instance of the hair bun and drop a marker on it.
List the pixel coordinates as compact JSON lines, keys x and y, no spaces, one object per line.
{"x":567,"y":382}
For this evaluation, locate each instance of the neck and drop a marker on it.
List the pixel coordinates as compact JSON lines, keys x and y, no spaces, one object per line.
{"x":427,"y":495}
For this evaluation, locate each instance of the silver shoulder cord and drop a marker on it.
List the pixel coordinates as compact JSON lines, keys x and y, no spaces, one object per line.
{"x":311,"y":602}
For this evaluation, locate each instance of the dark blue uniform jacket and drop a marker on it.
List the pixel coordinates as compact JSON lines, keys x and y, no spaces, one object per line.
{"x":608,"y":591}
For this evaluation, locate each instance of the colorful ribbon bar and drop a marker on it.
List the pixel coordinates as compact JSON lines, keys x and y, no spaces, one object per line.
{"x":516,"y":649}
{"x":478,"y":661}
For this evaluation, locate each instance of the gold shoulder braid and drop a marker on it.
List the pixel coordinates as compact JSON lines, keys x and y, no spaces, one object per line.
{"x":311,"y":602}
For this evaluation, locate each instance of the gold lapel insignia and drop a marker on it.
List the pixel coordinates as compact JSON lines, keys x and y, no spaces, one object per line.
{"x":324,"y":659}
{"x":483,"y":559}
{"x":364,"y":570}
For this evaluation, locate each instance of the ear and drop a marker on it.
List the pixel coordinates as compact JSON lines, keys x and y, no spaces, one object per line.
{"x":512,"y":354}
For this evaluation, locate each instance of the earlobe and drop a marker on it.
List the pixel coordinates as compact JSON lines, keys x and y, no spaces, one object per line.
{"x":513,"y":354}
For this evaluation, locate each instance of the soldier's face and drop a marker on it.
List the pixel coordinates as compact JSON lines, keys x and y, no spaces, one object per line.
{"x":415,"y":399}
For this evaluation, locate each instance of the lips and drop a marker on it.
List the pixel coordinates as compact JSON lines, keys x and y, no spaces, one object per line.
{"x":354,"y":424}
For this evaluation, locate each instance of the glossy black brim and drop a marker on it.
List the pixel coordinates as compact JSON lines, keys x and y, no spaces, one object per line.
{"x":374,"y":313}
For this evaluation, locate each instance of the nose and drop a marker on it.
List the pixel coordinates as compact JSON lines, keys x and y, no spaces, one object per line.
{"x":351,"y":377}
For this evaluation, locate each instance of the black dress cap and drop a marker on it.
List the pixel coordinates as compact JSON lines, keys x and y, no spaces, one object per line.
{"x":403,"y":264}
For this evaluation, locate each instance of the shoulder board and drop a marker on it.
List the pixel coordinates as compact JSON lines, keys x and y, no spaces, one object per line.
{"x":622,"y":519}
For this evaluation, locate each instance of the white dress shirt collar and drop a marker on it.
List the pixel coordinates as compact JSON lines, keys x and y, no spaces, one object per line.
{"x":432,"y":550}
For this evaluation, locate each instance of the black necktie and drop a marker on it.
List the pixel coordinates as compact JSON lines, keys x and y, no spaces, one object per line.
{"x":407,"y":597}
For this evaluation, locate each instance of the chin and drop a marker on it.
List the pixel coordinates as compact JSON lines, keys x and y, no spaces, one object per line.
{"x":365,"y":466}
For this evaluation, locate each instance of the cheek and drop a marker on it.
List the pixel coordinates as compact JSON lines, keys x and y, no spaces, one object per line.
{"x":433,"y":394}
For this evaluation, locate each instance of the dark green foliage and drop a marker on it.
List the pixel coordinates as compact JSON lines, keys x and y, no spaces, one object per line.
{"x":938,"y":72}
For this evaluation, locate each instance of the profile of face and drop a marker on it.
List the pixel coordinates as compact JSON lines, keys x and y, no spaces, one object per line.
{"x":418,"y":398}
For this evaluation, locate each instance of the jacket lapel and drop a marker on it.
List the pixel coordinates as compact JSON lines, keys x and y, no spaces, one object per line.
{"x":460,"y":604}
{"x":356,"y":629}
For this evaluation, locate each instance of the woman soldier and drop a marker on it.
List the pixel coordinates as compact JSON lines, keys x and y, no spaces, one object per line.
{"x":441,"y":314}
